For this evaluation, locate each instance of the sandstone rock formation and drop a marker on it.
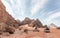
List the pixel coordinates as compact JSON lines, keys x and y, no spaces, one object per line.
{"x":26,"y":28}
{"x":36,"y":23}
{"x":32,"y":22}
{"x":7,"y":22}
{"x":10,"y":29}
{"x":3,"y":27}
{"x":26,"y":21}
{"x":6,"y":17}
{"x":39,"y":23}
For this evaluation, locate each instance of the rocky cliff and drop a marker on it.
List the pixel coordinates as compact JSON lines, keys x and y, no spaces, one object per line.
{"x":5,"y":16}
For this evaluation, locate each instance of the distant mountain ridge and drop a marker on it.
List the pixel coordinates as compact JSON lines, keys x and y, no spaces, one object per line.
{"x":52,"y":25}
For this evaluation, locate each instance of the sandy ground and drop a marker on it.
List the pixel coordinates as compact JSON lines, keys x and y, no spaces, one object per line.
{"x":54,"y":33}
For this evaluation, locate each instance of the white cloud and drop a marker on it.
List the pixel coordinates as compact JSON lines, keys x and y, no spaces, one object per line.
{"x":53,"y":16}
{"x":36,"y":5}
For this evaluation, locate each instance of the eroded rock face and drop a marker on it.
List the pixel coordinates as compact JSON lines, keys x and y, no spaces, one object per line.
{"x":39,"y":23}
{"x":10,"y":29}
{"x":36,"y":23}
{"x":3,"y":27}
{"x":32,"y":22}
{"x":7,"y":22}
{"x":26,"y":21}
{"x":5,"y":17}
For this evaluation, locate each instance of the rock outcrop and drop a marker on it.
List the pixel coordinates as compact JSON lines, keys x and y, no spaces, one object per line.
{"x":7,"y":22}
{"x":26,"y":21}
{"x":36,"y":23}
{"x":47,"y":29}
{"x":5,"y":16}
{"x":10,"y":29}
{"x":32,"y":22}
{"x":3,"y":27}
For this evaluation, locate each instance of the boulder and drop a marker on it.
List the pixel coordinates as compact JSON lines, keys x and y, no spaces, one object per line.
{"x":46,"y":30}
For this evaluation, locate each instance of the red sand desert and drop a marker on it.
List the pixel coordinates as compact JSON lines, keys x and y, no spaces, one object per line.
{"x":54,"y":33}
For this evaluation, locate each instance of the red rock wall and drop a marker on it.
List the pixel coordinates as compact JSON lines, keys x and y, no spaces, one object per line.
{"x":5,"y":16}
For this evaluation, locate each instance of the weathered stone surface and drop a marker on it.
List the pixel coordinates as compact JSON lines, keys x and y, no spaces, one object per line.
{"x":32,"y":22}
{"x":36,"y":23}
{"x":10,"y":29}
{"x":47,"y":29}
{"x":19,"y":22}
{"x":3,"y":27}
{"x":26,"y":21}
{"x":7,"y":22}
{"x":6,"y":17}
{"x":39,"y":23}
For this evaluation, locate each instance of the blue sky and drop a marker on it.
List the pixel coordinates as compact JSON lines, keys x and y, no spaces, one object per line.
{"x":48,"y":11}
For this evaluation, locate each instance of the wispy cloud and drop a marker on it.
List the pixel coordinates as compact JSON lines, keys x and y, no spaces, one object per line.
{"x":36,"y":5}
{"x":53,"y":16}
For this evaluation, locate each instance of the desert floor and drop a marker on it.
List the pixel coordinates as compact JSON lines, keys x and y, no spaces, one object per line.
{"x":54,"y":33}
